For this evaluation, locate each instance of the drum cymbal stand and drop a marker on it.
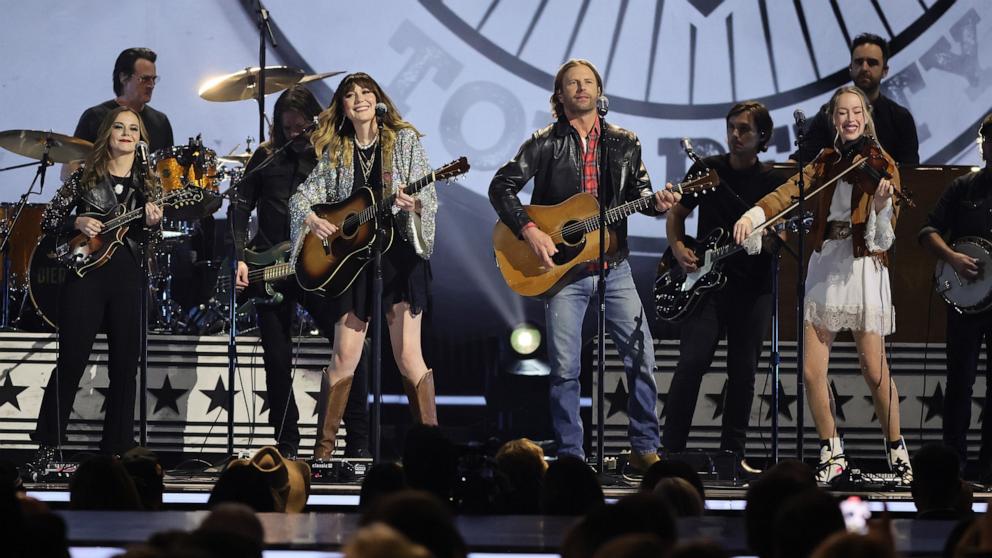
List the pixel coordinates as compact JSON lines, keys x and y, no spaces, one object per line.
{"x":7,"y":229}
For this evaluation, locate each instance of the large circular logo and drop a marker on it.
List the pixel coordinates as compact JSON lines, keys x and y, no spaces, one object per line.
{"x":685,"y":59}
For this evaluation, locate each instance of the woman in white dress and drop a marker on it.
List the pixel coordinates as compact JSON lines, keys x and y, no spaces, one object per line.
{"x":847,"y":285}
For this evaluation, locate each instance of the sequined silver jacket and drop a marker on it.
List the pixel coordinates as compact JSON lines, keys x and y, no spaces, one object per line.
{"x":327,"y":184}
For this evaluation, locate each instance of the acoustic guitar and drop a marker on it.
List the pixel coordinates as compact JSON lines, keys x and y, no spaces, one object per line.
{"x":331,"y":265}
{"x":573,"y":226}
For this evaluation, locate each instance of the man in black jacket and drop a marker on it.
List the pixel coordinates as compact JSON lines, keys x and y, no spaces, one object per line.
{"x":894,"y":124}
{"x":564,"y":159}
{"x":965,"y":209}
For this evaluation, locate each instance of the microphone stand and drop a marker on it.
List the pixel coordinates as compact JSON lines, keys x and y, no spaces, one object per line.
{"x":143,"y":321}
{"x":377,"y":287}
{"x":800,"y":297}
{"x":7,"y":229}
{"x":263,"y":29}
{"x":601,"y":294}
{"x":232,"y":296}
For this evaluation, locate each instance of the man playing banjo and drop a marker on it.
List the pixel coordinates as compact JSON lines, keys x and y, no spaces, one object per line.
{"x":964,"y":215}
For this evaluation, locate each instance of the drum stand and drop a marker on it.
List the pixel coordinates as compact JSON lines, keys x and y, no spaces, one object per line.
{"x":7,"y":229}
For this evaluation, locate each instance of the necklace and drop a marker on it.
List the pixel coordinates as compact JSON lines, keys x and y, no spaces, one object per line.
{"x":366,"y":145}
{"x":366,"y":161}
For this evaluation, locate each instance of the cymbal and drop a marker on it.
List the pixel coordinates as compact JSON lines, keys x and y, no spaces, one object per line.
{"x":241,"y":86}
{"x":31,"y":143}
{"x":317,"y":77}
{"x":238,"y":158}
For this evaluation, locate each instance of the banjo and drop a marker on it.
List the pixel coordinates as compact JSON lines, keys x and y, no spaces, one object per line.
{"x":967,"y":296}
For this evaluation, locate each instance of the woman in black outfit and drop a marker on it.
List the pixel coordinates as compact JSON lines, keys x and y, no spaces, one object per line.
{"x":108,"y":295}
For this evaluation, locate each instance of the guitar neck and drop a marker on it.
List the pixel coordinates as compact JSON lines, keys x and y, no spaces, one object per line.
{"x":618,"y":213}
{"x":271,"y":273}
{"x":126,"y":218}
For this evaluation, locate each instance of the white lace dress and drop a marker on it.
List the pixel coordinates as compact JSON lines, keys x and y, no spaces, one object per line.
{"x":844,"y":292}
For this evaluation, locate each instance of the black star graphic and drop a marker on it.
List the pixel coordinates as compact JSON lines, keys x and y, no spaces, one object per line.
{"x":9,"y":392}
{"x":870,"y":400}
{"x":617,"y":399}
{"x":718,"y":399}
{"x":980,"y":401}
{"x":264,"y":396}
{"x":104,"y":391}
{"x":316,"y":397}
{"x":663,"y":399}
{"x":218,"y":396}
{"x":934,"y":403}
{"x":167,"y":396}
{"x":784,"y":400}
{"x":839,"y":401}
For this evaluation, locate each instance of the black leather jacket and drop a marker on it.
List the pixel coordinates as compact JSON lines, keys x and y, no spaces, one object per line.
{"x":553,"y":158}
{"x":100,"y":199}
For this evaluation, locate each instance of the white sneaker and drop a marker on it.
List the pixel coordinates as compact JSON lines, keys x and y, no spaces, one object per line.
{"x":833,"y":462}
{"x":899,"y":462}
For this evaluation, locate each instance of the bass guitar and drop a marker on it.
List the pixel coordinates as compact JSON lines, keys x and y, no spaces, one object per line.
{"x":332,"y":265}
{"x":265,"y":270}
{"x":83,"y":254}
{"x":573,"y":226}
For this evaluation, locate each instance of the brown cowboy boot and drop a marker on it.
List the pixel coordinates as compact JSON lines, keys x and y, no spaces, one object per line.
{"x":421,"y":397}
{"x":330,"y":409}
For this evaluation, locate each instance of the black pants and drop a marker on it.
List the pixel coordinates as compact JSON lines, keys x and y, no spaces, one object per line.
{"x":965,"y":334}
{"x":275,"y":325}
{"x":745,"y":316}
{"x":109,"y":295}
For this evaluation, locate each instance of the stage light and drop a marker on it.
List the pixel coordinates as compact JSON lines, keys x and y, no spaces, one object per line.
{"x":525,"y":339}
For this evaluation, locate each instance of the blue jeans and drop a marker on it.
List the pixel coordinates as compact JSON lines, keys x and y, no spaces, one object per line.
{"x":628,"y":327}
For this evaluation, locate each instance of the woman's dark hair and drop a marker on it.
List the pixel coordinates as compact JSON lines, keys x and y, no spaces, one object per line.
{"x":422,"y":518}
{"x":297,"y":98}
{"x":381,"y":480}
{"x":570,"y":488}
{"x":125,"y":64}
{"x":102,"y":483}
{"x":244,"y":485}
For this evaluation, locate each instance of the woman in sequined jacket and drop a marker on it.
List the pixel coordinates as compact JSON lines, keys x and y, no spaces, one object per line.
{"x":107,"y":295}
{"x":347,"y":143}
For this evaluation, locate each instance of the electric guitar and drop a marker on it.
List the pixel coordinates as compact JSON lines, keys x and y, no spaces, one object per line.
{"x":83,"y":254}
{"x":573,"y":226}
{"x":676,"y":293}
{"x":332,"y":265}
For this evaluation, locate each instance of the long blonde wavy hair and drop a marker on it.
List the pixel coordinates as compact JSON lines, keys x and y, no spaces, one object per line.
{"x":335,"y":133}
{"x":95,"y":167}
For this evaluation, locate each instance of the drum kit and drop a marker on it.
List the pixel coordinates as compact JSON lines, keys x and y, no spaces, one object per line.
{"x":32,"y":277}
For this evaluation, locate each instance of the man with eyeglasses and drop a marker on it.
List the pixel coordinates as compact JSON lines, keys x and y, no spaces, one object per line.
{"x":894,"y":124}
{"x":134,"y":81}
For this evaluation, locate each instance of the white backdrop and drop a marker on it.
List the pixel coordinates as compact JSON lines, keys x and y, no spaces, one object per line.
{"x":471,"y":74}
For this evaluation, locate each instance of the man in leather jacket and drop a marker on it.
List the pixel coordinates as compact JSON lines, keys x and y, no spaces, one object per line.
{"x":564,"y":159}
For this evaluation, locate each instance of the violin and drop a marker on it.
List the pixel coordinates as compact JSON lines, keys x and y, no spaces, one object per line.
{"x":872,"y":168}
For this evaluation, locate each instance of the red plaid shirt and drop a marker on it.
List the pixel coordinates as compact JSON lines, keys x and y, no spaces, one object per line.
{"x":590,"y":176}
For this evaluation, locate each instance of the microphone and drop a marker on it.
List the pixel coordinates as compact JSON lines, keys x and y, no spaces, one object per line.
{"x":800,"y":117}
{"x":689,"y":152}
{"x":305,"y":132}
{"x":142,"y":153}
{"x":602,"y":105}
{"x":380,"y":110}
